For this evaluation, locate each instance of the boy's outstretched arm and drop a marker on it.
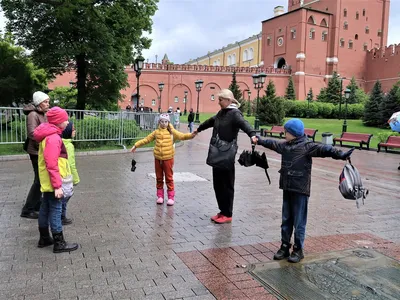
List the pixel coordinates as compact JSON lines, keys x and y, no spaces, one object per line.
{"x":271,"y":144}
{"x":144,"y":141}
{"x":319,"y":150}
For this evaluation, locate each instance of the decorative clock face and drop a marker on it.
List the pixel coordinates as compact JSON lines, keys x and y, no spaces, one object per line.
{"x":280,"y":41}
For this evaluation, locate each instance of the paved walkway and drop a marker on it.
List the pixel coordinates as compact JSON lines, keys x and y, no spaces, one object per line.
{"x":130,"y":248}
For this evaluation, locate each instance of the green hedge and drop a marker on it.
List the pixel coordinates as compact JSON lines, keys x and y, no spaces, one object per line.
{"x":299,"y":109}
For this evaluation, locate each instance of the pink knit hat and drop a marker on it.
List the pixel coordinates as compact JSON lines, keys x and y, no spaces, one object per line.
{"x":56,"y":115}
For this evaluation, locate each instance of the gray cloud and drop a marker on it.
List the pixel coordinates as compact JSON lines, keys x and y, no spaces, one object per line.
{"x":186,"y":29}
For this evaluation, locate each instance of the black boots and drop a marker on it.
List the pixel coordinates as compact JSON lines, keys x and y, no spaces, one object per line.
{"x":283,"y":252}
{"x":45,"y":238}
{"x":29,"y":215}
{"x":60,"y":245}
{"x":297,"y":255}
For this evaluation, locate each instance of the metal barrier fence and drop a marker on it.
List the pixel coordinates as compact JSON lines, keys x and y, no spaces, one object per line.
{"x":90,"y":125}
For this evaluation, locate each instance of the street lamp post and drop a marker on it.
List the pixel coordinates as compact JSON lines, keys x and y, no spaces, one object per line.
{"x":185,"y":111}
{"x":160,"y":87}
{"x":346,"y":97}
{"x":138,"y":66}
{"x":199,"y":85}
{"x":308,"y":106}
{"x":258,"y":81}
{"x":341,"y":96}
{"x":249,"y":103}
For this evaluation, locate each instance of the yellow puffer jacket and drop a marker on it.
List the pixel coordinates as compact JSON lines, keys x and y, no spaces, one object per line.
{"x":164,"y":148}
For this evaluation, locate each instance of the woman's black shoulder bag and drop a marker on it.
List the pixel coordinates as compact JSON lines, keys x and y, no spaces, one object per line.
{"x":221,"y":154}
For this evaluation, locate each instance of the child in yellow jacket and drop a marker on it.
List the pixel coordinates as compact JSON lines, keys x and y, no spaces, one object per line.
{"x":67,"y":136}
{"x":164,"y":152}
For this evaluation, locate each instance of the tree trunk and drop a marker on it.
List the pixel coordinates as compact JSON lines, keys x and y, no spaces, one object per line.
{"x":81,"y":82}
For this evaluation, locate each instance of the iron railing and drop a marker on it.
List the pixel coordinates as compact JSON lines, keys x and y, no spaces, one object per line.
{"x":90,"y":125}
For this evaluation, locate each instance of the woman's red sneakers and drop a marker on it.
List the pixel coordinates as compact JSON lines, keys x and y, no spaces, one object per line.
{"x":215,"y":217}
{"x":222,"y":219}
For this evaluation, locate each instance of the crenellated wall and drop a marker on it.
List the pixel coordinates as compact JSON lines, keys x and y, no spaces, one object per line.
{"x":383,"y":64}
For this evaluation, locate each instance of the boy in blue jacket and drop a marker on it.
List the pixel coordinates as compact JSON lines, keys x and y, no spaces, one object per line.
{"x":295,"y":181}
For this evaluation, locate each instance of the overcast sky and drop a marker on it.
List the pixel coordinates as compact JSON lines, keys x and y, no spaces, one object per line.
{"x":187,"y":29}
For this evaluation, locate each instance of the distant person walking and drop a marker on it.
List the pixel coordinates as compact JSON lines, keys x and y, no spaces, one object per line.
{"x":191,"y":120}
{"x":36,"y":115}
{"x":226,"y":124}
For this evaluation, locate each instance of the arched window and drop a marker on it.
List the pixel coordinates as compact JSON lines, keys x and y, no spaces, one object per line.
{"x":364,"y":12}
{"x":245,"y":55}
{"x":251,"y":53}
{"x":229,"y":60}
{"x":345,"y":12}
{"x":356,"y":37}
{"x":345,"y":26}
{"x":214,"y":63}
{"x":379,"y":32}
{"x":269,"y":41}
{"x":311,"y":20}
{"x":312,"y":34}
{"x":153,"y":102}
{"x":365,"y":47}
{"x":367,"y":30}
{"x":176,"y":99}
{"x":342,"y":43}
{"x":324,"y":23}
{"x":218,"y":62}
{"x":233,"y":59}
{"x":324,"y":36}
{"x":293,"y":33}
{"x":350,"y":44}
{"x":357,"y":15}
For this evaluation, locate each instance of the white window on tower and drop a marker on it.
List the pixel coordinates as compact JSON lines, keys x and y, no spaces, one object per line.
{"x":176,"y":99}
{"x":153,"y":102}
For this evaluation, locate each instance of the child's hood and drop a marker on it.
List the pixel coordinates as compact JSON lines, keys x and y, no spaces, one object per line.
{"x":67,"y":141}
{"x":44,"y":130}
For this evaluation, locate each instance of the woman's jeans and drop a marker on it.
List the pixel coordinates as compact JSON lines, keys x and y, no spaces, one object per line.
{"x":50,"y":212}
{"x":33,"y":200}
{"x":294,"y":216}
{"x":64,"y":207}
{"x":191,"y":127}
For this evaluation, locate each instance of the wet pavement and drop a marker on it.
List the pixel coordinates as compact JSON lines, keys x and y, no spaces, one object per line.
{"x":130,"y":248}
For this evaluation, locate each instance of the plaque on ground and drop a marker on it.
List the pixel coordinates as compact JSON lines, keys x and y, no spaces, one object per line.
{"x":348,"y":274}
{"x":183,"y":177}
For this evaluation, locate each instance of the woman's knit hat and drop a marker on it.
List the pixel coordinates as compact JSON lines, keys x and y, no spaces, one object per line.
{"x":295,"y":127}
{"x":67,"y":133}
{"x":164,"y":117}
{"x":56,"y":115}
{"x":39,"y":97}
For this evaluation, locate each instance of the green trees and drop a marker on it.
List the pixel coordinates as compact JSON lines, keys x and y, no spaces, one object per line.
{"x":96,"y":38}
{"x":372,"y":113}
{"x":271,"y":110}
{"x":332,"y":92}
{"x":390,"y":104}
{"x":237,"y":93}
{"x":19,"y":77}
{"x":353,"y":91}
{"x":290,"y":92}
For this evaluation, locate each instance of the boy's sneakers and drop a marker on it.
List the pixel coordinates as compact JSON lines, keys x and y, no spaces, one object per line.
{"x":223,"y":219}
{"x":213,"y":218}
{"x":297,"y":255}
{"x":283,"y":252}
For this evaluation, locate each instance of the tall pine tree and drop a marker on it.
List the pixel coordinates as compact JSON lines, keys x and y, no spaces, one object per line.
{"x":390,"y":104}
{"x":332,"y":92}
{"x":237,"y":93}
{"x":353,"y":91}
{"x":311,"y":93}
{"x":290,"y":92}
{"x":271,"y":109}
{"x":372,"y":116}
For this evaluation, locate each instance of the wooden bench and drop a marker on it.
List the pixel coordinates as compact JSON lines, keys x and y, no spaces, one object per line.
{"x":310,"y":133}
{"x":391,"y":142}
{"x":360,"y":138}
{"x":275,"y":129}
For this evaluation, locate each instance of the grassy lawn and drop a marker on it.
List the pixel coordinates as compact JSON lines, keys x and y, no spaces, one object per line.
{"x":323,"y":125}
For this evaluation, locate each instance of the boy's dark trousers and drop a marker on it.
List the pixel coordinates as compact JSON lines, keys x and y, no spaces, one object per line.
{"x":294,"y":215}
{"x":224,"y":181}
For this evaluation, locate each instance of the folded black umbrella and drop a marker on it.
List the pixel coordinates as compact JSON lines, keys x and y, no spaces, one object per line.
{"x":251,"y":158}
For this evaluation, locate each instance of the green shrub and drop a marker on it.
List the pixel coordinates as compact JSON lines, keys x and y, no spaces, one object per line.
{"x":383,"y":136}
